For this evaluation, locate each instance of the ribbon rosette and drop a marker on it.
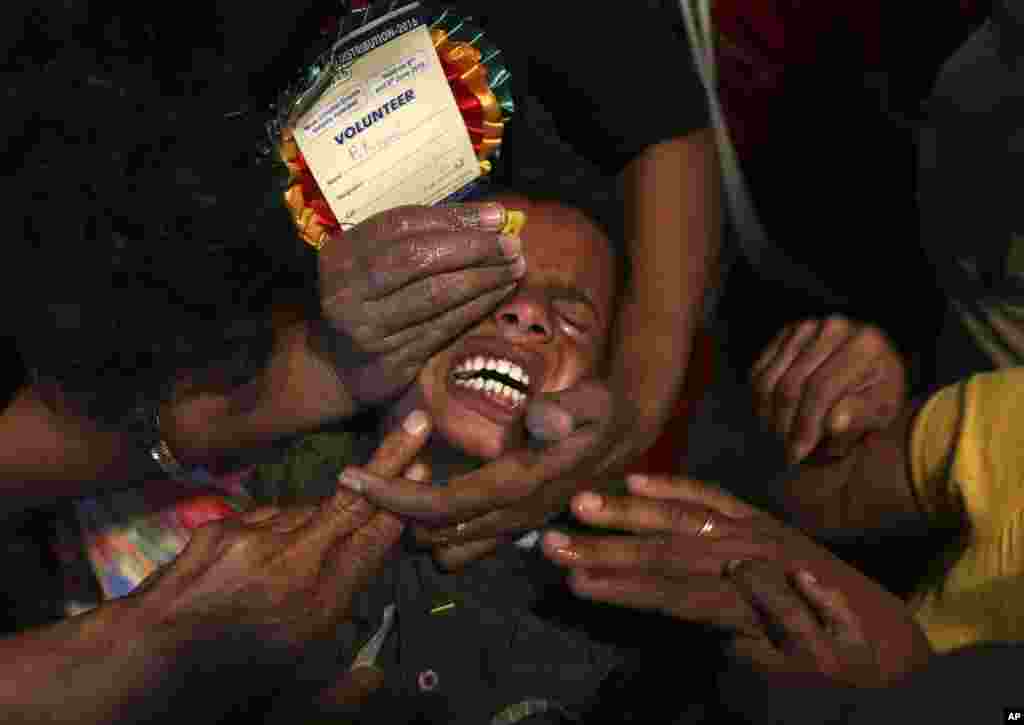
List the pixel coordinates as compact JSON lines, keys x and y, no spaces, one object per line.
{"x":478,"y":80}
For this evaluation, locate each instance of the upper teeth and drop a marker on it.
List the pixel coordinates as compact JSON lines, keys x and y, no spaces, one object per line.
{"x":505,"y":367}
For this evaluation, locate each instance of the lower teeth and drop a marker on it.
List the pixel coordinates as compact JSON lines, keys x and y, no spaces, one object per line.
{"x":484,"y":388}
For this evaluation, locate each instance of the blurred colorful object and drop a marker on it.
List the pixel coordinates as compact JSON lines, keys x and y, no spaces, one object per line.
{"x":480,"y":83}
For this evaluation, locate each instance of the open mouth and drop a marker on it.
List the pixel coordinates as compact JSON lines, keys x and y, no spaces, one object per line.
{"x":500,"y":379}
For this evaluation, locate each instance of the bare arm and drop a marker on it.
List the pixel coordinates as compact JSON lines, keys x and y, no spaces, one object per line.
{"x":52,"y":452}
{"x":673,"y":223}
{"x":869,"y":489}
{"x":87,"y":669}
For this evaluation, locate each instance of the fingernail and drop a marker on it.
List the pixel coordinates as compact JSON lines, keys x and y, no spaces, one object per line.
{"x":732,"y":565}
{"x":589,"y":502}
{"x":798,"y":453}
{"x":417,"y":472}
{"x":841,"y":422}
{"x":584,"y":576}
{"x":808,"y":578}
{"x":547,"y":422}
{"x":637,"y":480}
{"x":515,"y":220}
{"x":518,"y":267}
{"x":492,"y":216}
{"x":557,"y":540}
{"x":488,"y":217}
{"x":511,"y":245}
{"x":354,"y":479}
{"x":416,"y":422}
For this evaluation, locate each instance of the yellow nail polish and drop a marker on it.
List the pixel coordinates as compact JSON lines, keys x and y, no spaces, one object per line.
{"x":515,"y":220}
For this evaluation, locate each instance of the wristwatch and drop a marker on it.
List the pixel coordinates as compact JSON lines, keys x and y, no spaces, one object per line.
{"x":145,"y":429}
{"x":162,"y":455}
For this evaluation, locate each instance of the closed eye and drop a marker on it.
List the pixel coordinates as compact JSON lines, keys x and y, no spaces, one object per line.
{"x":575,"y":315}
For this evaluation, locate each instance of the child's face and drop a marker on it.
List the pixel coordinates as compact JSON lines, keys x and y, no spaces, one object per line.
{"x":548,"y":335}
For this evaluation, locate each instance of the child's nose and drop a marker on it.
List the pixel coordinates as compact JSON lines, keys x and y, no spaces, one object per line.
{"x":524,"y":319}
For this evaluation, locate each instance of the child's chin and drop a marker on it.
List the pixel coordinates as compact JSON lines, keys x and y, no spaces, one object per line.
{"x":486,"y":449}
{"x":480,"y":442}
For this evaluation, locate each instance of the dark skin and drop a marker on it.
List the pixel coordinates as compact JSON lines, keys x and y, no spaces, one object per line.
{"x":668,"y":567}
{"x":810,"y":629}
{"x":377,"y":289}
{"x":821,"y":385}
{"x":590,"y":429}
{"x":257,"y":596}
{"x":401,"y":286}
{"x":595,"y":427}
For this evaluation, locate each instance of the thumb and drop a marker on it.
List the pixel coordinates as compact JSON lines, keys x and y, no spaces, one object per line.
{"x":855,"y":416}
{"x":832,"y":608}
{"x":553,"y":417}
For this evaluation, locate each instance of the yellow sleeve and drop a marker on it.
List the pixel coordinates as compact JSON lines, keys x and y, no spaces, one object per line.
{"x":967,"y":451}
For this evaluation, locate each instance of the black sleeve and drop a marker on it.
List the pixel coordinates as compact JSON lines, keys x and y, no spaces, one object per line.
{"x":616,"y":78}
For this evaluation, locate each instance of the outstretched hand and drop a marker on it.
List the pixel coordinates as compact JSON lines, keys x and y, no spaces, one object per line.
{"x":679,"y":556}
{"x":520,"y":491}
{"x":285,"y":577}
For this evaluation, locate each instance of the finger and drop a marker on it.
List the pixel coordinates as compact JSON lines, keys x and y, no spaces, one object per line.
{"x":337,"y":517}
{"x":553,"y":417}
{"x":412,"y":220}
{"x":390,"y":236}
{"x":688,"y":490}
{"x":400,"y":446}
{"x":864,"y":411}
{"x":768,"y":377}
{"x":355,"y":559}
{"x":832,"y":609}
{"x":260,"y":515}
{"x":670,"y":555}
{"x":700,"y":599}
{"x":494,"y":486}
{"x":453,"y":558}
{"x":372,"y":267}
{"x":423,"y":300}
{"x":501,"y":522}
{"x":791,"y":387}
{"x":290,"y":519}
{"x":418,"y":471}
{"x":770,"y":351}
{"x":641,"y":515}
{"x":829,"y":390}
{"x":421,"y":341}
{"x":788,"y":620}
{"x":279,"y":520}
{"x":857,"y":367}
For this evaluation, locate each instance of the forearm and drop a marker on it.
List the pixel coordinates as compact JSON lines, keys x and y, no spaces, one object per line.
{"x":87,"y":669}
{"x":119,"y":664}
{"x":673,"y":227}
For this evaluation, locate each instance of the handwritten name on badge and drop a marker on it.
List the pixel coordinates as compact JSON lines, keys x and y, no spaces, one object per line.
{"x":388,"y":131}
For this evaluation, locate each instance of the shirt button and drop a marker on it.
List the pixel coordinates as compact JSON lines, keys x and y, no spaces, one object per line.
{"x":428,"y":681}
